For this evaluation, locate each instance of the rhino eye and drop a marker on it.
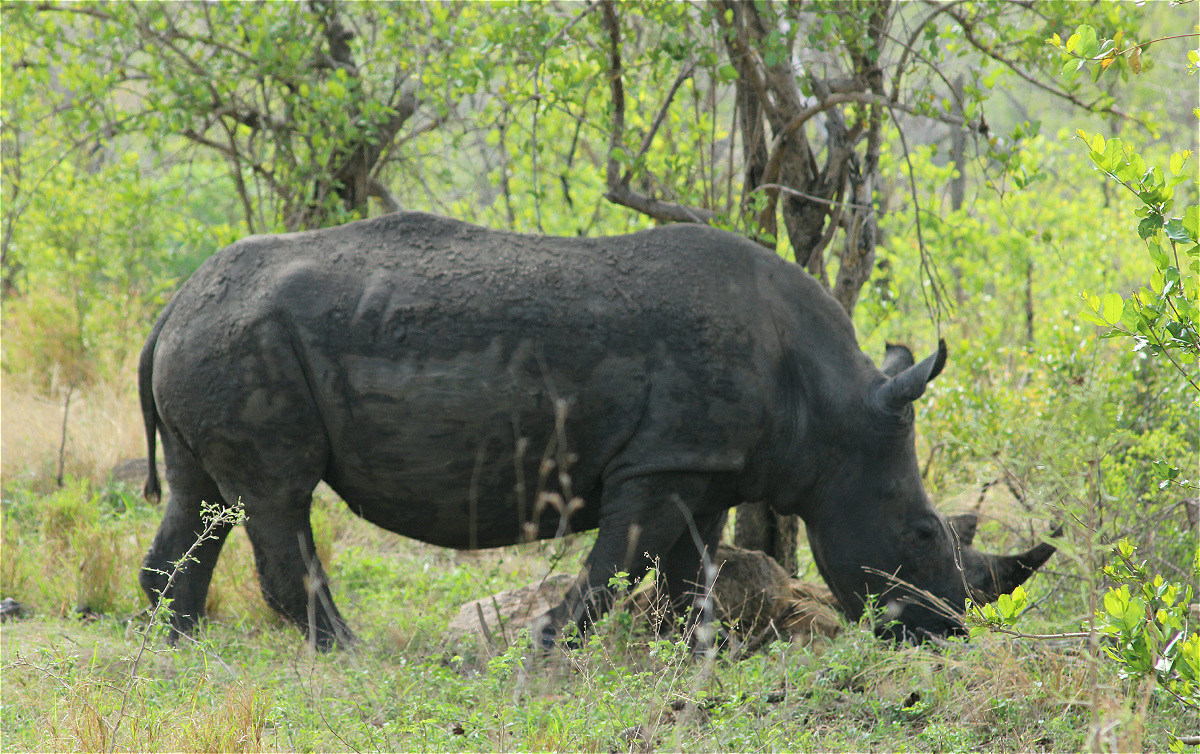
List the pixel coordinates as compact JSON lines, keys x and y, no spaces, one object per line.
{"x":925,"y":529}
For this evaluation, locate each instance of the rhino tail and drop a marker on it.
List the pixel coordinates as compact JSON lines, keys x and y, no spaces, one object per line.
{"x":152,"y":490}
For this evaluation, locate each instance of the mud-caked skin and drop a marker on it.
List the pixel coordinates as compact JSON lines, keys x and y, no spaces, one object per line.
{"x":447,"y":380}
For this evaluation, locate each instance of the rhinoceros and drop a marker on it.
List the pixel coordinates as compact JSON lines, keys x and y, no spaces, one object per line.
{"x":474,"y":388}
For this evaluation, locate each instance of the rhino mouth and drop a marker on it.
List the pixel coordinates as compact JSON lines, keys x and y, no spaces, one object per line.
{"x":906,"y":621}
{"x":907,"y":613}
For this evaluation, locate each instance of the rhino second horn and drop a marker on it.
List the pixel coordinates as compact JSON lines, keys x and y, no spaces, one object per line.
{"x":896,"y":359}
{"x":964,"y":525}
{"x":1000,"y":574}
{"x":892,"y":396}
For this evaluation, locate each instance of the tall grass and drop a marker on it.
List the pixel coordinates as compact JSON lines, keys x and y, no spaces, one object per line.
{"x":103,"y":427}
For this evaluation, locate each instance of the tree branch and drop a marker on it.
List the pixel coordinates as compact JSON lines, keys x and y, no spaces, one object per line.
{"x":969,"y":34}
{"x":658,"y":119}
{"x":618,"y":191}
{"x":377,"y":189}
{"x":231,"y":153}
{"x":912,"y":41}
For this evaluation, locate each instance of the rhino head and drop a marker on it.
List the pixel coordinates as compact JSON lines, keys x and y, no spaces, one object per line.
{"x":875,"y":534}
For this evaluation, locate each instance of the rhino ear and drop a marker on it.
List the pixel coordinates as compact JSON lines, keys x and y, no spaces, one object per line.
{"x":892,"y":396}
{"x":963,"y":526}
{"x":896,"y":359}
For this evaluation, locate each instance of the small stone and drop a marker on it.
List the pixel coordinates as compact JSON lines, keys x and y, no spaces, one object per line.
{"x":87,"y":614}
{"x":497,"y":619}
{"x":10,"y":609}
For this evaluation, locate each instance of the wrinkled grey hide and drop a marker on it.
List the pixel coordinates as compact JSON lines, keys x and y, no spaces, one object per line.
{"x":415,"y":364}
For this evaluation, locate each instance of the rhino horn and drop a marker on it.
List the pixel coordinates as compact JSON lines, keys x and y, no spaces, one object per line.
{"x":990,"y":576}
{"x":908,"y":385}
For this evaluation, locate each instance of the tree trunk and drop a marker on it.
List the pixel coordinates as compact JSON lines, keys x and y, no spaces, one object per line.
{"x":819,"y":196}
{"x":817,"y":188}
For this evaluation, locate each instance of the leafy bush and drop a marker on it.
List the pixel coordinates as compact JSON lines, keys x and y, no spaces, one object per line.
{"x":96,"y":255}
{"x":1152,"y":634}
{"x":1163,"y":318}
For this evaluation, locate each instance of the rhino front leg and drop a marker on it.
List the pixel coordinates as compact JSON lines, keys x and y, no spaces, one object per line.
{"x":682,"y":569}
{"x":640,"y":521}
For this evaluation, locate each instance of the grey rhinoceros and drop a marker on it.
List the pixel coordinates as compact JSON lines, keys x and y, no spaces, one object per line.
{"x":448,"y":381}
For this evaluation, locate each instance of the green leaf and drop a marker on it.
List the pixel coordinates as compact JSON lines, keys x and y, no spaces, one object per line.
{"x":1177,"y":232}
{"x":1157,"y":254}
{"x":1111,"y":306}
{"x":1073,"y":40}
{"x":1150,"y":225}
{"x":1089,"y":45}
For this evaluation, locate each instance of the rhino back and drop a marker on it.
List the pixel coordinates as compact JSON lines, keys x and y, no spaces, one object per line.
{"x":431,"y":356}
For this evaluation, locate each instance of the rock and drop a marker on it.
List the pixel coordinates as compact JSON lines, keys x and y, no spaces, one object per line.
{"x":87,"y":614}
{"x":10,"y":609}
{"x":813,"y":611}
{"x":753,"y":594}
{"x":639,"y":738}
{"x":496,"y":620}
{"x":751,"y":589}
{"x":132,"y":471}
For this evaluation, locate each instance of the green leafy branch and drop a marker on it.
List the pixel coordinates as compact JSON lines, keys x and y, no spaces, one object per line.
{"x":1163,"y":316}
{"x":1086,"y":50}
{"x":1003,"y":615}
{"x":1146,"y":621}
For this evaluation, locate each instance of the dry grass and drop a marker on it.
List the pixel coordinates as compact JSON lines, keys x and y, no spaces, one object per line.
{"x":104,"y":426}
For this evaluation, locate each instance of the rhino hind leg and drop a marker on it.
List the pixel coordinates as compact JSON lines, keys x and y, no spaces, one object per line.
{"x":640,"y":522}
{"x":291,"y":576}
{"x":276,"y":493}
{"x":165,"y":573}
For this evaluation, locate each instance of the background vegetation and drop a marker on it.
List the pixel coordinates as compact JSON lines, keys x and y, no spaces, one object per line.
{"x":924,"y":160}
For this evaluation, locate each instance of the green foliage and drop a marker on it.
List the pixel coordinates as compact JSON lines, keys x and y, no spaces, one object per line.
{"x":1005,"y":612}
{"x":74,"y":549}
{"x":1163,"y":318}
{"x":302,"y":103}
{"x":94,"y":255}
{"x":1085,"y":51}
{"x":1147,"y":621}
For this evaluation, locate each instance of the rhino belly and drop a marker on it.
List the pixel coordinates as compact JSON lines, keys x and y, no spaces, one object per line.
{"x":451,"y":450}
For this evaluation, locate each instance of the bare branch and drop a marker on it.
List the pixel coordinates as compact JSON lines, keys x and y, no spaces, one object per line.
{"x":659,"y":210}
{"x":377,"y":189}
{"x":236,"y":156}
{"x":83,"y":9}
{"x":820,"y":200}
{"x":912,"y":41}
{"x":968,"y":29}
{"x":935,"y":282}
{"x":658,"y":119}
{"x":618,"y":191}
